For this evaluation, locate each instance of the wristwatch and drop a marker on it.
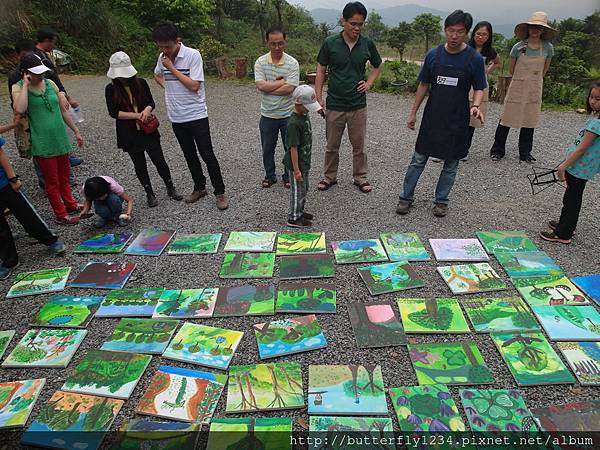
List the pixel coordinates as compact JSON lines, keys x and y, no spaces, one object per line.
{"x":14,"y":179}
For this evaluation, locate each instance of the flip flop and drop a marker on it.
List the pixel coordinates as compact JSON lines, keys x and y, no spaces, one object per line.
{"x":267,"y":183}
{"x":287,"y":185}
{"x":324,"y":185}
{"x":364,"y":187}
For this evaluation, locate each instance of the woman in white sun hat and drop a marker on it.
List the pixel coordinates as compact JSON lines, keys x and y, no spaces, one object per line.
{"x":529,"y":61}
{"x":130,"y":102}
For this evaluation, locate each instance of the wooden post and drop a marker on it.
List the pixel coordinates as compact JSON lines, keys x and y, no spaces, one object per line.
{"x":241,"y":69}
{"x":502,"y":87}
{"x":221,"y":63}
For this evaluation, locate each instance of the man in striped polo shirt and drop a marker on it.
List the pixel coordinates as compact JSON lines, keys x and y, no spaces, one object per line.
{"x":276,"y":75}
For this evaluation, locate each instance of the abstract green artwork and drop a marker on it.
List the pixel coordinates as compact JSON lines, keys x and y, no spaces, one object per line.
{"x":499,"y":314}
{"x":391,"y":277}
{"x":528,"y":264}
{"x":39,"y":282}
{"x":247,"y":265}
{"x":300,"y":243}
{"x":569,"y":323}
{"x":306,"y":266}
{"x":5,"y":338}
{"x":104,"y":243}
{"x":186,"y":303}
{"x":306,"y":298}
{"x":404,"y":247}
{"x":506,"y":241}
{"x":432,"y":315}
{"x":358,"y":251}
{"x":250,"y":241}
{"x":129,"y":303}
{"x":67,"y":311}
{"x":351,"y":433}
{"x":141,"y":335}
{"x":287,"y":336}
{"x":264,"y":433}
{"x":194,"y":244}
{"x":246,"y":300}
{"x":147,"y":434}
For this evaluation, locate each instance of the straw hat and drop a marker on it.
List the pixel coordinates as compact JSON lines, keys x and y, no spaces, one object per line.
{"x":120,"y":66}
{"x":539,"y":18}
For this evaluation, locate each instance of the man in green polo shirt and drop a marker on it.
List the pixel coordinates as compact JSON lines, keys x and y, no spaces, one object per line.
{"x":345,"y":55}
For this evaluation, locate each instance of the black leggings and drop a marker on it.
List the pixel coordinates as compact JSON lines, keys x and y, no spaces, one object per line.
{"x":141,"y":169}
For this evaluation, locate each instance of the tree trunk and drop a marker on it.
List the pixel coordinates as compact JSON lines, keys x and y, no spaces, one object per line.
{"x":432,"y":308}
{"x":471,"y":357}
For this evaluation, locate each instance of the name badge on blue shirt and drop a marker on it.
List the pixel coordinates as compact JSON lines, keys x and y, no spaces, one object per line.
{"x":447,"y":81}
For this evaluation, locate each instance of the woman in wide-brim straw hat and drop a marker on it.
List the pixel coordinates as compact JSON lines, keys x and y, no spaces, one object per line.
{"x":529,"y":61}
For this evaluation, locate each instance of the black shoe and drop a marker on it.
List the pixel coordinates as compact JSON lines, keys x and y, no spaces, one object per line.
{"x":299,"y":223}
{"x":527,"y":159}
{"x":150,"y":197}
{"x":496,"y":156}
{"x":172,"y":192}
{"x":308,"y":216}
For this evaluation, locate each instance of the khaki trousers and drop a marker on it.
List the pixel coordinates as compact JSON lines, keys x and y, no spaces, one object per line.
{"x":336,"y":122}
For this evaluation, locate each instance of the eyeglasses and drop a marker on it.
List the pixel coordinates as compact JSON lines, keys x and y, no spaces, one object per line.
{"x":482,"y":35}
{"x":458,"y":33}
{"x":276,"y":44}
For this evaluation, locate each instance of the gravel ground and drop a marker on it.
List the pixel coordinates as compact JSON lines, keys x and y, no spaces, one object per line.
{"x":486,"y":196}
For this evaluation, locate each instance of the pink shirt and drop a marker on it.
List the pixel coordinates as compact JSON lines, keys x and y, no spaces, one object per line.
{"x":115,"y":187}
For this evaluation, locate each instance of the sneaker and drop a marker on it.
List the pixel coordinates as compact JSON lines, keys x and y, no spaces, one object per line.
{"x":550,"y":236}
{"x":308,"y":216}
{"x":299,"y":223}
{"x":553,"y":224}
{"x":100,"y":222}
{"x":58,"y":248}
{"x":440,"y":210}
{"x":151,"y":199}
{"x":195,"y":196}
{"x":435,"y":160}
{"x":67,"y":220}
{"x":403,"y":207}
{"x":122,"y":222}
{"x":528,"y":159}
{"x":6,"y":271}
{"x":222,"y":202}
{"x":75,"y":161}
{"x":465,"y":159}
{"x":496,"y":157}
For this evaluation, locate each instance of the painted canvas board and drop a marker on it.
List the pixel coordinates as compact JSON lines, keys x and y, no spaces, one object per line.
{"x":569,"y":323}
{"x":404,"y":247}
{"x":471,"y":278}
{"x":17,"y":399}
{"x":250,"y":241}
{"x":528,"y":264}
{"x":432,"y":315}
{"x":186,"y":303}
{"x":104,"y":243}
{"x":104,"y":275}
{"x":246,"y":300}
{"x":497,"y":410}
{"x":346,"y":390}
{"x":67,"y":311}
{"x":316,"y":298}
{"x":39,"y":282}
{"x":300,"y":243}
{"x":45,"y":348}
{"x":458,"y":250}
{"x":247,"y":265}
{"x":590,"y":284}
{"x":375,"y":325}
{"x":265,"y":433}
{"x":584,"y":360}
{"x":204,"y":345}
{"x":182,"y":394}
{"x":138,"y":302}
{"x":194,"y":244}
{"x":391,"y":277}
{"x":531,"y":359}
{"x":306,"y":266}
{"x":499,"y":314}
{"x":549,"y":291}
{"x":582,"y":416}
{"x":429,"y":408}
{"x":358,"y":251}
{"x":150,"y":242}
{"x":72,"y":421}
{"x":141,"y":335}
{"x":265,"y":387}
{"x":5,"y":338}
{"x":506,"y":241}
{"x":148,"y":434}
{"x":287,"y":336}
{"x":364,"y":429}
{"x":107,"y":374}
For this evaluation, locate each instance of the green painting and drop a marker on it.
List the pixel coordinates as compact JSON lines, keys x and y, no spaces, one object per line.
{"x":104,"y":243}
{"x":141,"y":335}
{"x":499,"y":314}
{"x":194,"y":244}
{"x":306,"y":266}
{"x":306,"y":298}
{"x":391,"y":277}
{"x":186,"y":303}
{"x":264,"y":433}
{"x":248,"y":265}
{"x":358,"y":430}
{"x":67,"y":311}
{"x":5,"y":338}
{"x":17,"y":399}
{"x":471,"y":278}
{"x":549,"y":291}
{"x":375,"y":325}
{"x":287,"y":336}
{"x":129,"y":303}
{"x":449,"y":363}
{"x":569,"y":323}
{"x":250,"y":241}
{"x":146,"y":434}
{"x":300,"y":243}
{"x":45,"y":348}
{"x":246,"y":300}
{"x":528,"y":264}
{"x":404,"y":247}
{"x":531,"y":359}
{"x":358,"y":251}
{"x":584,"y":360}
{"x":39,"y":282}
{"x":432,"y":315}
{"x":506,"y":241}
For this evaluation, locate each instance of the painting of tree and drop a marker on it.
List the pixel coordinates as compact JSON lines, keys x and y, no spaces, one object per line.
{"x":300,"y":243}
{"x":375,"y":325}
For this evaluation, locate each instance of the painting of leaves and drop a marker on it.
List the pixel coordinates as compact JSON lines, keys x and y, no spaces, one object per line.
{"x":39,"y":282}
{"x":194,"y":244}
{"x":426,"y":408}
{"x":582,"y":416}
{"x":458,"y":250}
{"x":449,"y":363}
{"x":365,"y":429}
{"x":300,"y":243}
{"x":528,"y":264}
{"x":432,"y":315}
{"x":531,"y":359}
{"x":145,"y":434}
{"x":129,"y":303}
{"x":141,"y":335}
{"x":391,"y":277}
{"x":103,"y":275}
{"x":150,"y":242}
{"x":5,"y":338}
{"x":104,"y":243}
{"x":590,"y":284}
{"x":358,"y":251}
{"x":287,"y":336}
{"x":549,"y":291}
{"x":404,"y":247}
{"x":265,"y":387}
{"x":499,"y":314}
{"x":306,"y":266}
{"x":17,"y":399}
{"x":248,"y":265}
{"x":470,"y":278}
{"x":265,"y":433}
{"x":250,"y":241}
{"x":569,"y":323}
{"x":306,"y":298}
{"x":506,"y":241}
{"x":375,"y":325}
{"x":247,"y":300}
{"x":186,"y":303}
{"x":584,"y":360}
{"x":67,"y":311}
{"x":45,"y":348}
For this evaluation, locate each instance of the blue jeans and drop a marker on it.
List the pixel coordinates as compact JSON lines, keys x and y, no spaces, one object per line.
{"x":444,"y":185}
{"x":269,"y":131}
{"x":110,"y":208}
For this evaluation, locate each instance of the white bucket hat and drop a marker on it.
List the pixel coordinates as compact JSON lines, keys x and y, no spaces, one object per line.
{"x":120,"y":66}
{"x":539,"y":18}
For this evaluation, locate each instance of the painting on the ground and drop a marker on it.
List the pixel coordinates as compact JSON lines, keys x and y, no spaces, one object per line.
{"x":150,"y":242}
{"x":590,"y":284}
{"x":528,"y":264}
{"x":358,"y":251}
{"x":204,"y":345}
{"x":250,"y":241}
{"x":569,"y":323}
{"x":471,"y":278}
{"x":182,"y":394}
{"x":67,"y":311}
{"x":286,"y":336}
{"x":104,"y":243}
{"x":246,"y":300}
{"x":72,"y":421}
{"x":427,"y":408}
{"x":499,"y":314}
{"x":108,"y":374}
{"x":264,"y":433}
{"x":375,"y":325}
{"x":449,"y":363}
{"x":458,"y":250}
{"x":45,"y":348}
{"x":584,"y":360}
{"x":506,"y":241}
{"x":138,"y":302}
{"x":247,"y":265}
{"x":391,"y":277}
{"x":300,"y":243}
{"x":104,"y":275}
{"x":366,"y":429}
{"x":186,"y":303}
{"x":265,"y":387}
{"x":306,"y":298}
{"x":531,"y":359}
{"x":5,"y":338}
{"x":17,"y":399}
{"x":141,"y":335}
{"x":194,"y":244}
{"x":582,"y":416}
{"x":549,"y":291}
{"x":39,"y":282}
{"x":148,"y":434}
{"x":432,"y":315}
{"x":404,"y":247}
{"x":306,"y":266}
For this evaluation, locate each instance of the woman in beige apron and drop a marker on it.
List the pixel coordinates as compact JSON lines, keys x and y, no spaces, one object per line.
{"x":529,"y":62}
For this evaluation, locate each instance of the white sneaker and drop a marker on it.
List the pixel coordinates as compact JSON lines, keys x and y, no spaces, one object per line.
{"x":435,"y":160}
{"x":466,"y":158}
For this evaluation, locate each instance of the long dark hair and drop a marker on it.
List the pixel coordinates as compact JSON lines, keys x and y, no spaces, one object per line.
{"x":588,"y":106}
{"x":120,"y":96}
{"x":95,"y":188}
{"x":488,"y":45}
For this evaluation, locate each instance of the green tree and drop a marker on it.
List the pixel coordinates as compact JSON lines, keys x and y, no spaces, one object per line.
{"x":375,"y":28}
{"x":399,"y":37}
{"x":428,"y":26}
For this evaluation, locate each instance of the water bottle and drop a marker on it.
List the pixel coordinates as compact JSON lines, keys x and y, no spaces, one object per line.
{"x":76,"y":114}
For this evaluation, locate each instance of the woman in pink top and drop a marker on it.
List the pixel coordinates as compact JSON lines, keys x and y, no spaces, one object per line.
{"x":107,"y":196}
